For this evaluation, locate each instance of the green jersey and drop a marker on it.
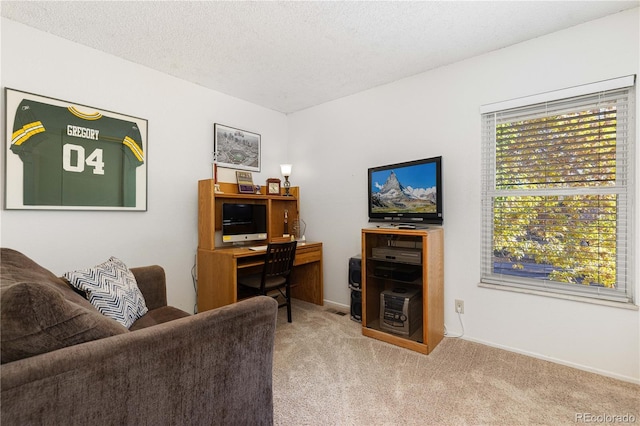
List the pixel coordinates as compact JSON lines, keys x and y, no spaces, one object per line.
{"x":72,"y":158}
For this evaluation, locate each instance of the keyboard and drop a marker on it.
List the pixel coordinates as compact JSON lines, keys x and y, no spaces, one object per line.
{"x":258,"y":248}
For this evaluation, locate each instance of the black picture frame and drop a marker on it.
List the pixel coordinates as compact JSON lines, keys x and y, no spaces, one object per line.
{"x":236,"y":148}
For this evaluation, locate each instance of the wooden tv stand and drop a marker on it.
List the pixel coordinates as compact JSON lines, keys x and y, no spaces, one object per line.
{"x":218,"y":268}
{"x":418,"y":266}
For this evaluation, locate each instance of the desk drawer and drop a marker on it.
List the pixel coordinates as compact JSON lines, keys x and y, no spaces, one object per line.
{"x":307,"y":256}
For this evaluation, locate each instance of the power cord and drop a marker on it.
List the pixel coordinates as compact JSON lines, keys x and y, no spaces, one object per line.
{"x":446,"y":333}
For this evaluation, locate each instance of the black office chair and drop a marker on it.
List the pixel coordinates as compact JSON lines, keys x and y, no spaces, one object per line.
{"x":275,"y":274}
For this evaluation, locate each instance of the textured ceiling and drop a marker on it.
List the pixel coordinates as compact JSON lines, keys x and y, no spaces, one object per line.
{"x":288,"y":56}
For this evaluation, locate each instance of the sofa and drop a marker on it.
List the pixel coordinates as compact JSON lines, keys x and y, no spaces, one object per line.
{"x":64,"y":362}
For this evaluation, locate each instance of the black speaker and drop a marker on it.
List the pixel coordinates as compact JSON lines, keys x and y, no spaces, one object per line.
{"x":355,"y":284}
{"x":355,"y":273}
{"x":356,"y":305}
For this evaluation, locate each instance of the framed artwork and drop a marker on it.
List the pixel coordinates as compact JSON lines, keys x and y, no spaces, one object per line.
{"x":62,"y":155}
{"x":245,"y":182}
{"x":235,"y":148}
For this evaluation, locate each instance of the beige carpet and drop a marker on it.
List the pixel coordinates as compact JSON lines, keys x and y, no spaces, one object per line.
{"x":327,"y":373}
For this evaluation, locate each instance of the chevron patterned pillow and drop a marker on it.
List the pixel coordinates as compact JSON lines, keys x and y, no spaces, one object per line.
{"x":112,"y":289}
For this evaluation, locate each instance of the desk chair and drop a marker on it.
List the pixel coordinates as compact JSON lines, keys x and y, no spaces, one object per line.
{"x":275,"y":274}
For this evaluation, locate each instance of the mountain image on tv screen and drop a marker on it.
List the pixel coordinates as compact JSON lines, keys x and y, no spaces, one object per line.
{"x":407,"y":190}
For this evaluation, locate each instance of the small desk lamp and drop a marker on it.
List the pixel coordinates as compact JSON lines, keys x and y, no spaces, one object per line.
{"x":285,"y":169}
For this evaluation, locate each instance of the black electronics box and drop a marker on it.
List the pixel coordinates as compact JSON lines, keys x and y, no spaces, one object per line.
{"x":383,"y":271}
{"x":406,"y":273}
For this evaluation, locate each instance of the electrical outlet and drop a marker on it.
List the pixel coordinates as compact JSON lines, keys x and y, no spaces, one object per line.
{"x":460,"y":306}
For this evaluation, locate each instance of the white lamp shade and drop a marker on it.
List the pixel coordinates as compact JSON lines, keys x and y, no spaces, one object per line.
{"x":285,"y":169}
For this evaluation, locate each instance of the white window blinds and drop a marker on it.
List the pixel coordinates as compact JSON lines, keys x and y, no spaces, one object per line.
{"x":557,"y":189}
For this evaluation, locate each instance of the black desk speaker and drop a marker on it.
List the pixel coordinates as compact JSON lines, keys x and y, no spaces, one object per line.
{"x":356,"y":305}
{"x":355,"y":273}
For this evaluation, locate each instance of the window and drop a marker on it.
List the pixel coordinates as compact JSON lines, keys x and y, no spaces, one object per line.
{"x":557,"y":190}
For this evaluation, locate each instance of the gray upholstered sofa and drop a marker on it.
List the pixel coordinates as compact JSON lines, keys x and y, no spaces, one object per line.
{"x":63,"y":362}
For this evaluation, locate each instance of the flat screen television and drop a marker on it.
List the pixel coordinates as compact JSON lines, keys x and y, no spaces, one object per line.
{"x":409,"y":192}
{"x":244,"y":222}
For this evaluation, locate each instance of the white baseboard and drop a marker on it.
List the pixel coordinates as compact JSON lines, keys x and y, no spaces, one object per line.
{"x":633,"y":380}
{"x":338,"y":306}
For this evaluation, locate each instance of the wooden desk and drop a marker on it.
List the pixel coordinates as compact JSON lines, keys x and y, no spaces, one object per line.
{"x":218,"y":272}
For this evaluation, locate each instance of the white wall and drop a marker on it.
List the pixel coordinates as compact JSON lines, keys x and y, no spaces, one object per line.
{"x":180,"y":120}
{"x":437,"y":113}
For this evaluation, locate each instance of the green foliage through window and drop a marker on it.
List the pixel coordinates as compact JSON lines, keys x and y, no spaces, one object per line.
{"x":556,"y":193}
{"x":573,"y":236}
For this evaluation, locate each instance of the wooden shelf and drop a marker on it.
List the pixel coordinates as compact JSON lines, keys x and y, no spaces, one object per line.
{"x":253,"y":196}
{"x":431,"y":281}
{"x":413,"y":342}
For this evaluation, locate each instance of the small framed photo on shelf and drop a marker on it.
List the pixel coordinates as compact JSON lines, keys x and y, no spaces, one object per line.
{"x":245,"y":182}
{"x":273,"y":186}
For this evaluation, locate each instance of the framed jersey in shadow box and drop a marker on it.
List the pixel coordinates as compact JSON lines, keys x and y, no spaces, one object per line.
{"x":62,"y":155}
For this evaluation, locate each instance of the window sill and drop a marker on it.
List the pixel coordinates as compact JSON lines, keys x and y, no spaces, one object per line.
{"x":612,"y":304}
